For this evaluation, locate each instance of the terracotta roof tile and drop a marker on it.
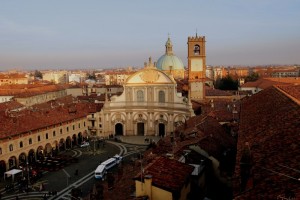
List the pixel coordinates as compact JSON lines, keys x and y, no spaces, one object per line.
{"x":43,"y":115}
{"x":162,"y":170}
{"x":269,"y":129}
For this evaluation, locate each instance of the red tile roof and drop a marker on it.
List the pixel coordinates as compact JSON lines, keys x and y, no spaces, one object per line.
{"x":222,"y":109}
{"x":270,"y":126}
{"x":20,"y":91}
{"x":293,"y":91}
{"x":204,"y":131}
{"x":168,"y":174}
{"x":12,"y":76}
{"x":43,"y":115}
{"x":264,"y":83}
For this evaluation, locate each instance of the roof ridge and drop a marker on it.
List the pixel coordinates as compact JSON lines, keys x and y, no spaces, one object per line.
{"x":287,"y":94}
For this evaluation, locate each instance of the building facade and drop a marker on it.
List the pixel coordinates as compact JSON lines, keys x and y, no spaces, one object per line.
{"x":28,"y":135}
{"x":149,"y":105}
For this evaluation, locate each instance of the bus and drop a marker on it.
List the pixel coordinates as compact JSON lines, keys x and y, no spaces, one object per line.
{"x":109,"y":163}
{"x":100,"y":172}
{"x":118,"y":158}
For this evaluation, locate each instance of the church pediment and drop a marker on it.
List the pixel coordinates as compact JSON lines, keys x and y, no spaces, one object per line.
{"x":147,"y":76}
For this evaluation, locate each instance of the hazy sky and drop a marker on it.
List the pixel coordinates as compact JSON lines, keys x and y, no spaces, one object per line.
{"x":56,"y":34}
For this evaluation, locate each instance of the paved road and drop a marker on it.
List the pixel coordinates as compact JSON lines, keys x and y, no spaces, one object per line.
{"x":63,"y":181}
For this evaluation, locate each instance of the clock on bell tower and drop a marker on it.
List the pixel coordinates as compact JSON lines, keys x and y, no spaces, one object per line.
{"x":196,"y":67}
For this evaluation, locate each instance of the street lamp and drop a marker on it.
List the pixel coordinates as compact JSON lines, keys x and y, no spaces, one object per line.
{"x":139,"y":152}
{"x":28,"y":181}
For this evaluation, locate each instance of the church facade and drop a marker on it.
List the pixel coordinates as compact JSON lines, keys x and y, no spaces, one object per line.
{"x":149,"y":105}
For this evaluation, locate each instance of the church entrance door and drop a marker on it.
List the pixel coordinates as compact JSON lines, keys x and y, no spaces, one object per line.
{"x":140,"y":129}
{"x":161,"y":130}
{"x":119,"y":129}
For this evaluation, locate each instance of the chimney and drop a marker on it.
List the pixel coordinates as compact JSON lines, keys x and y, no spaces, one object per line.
{"x":148,"y":186}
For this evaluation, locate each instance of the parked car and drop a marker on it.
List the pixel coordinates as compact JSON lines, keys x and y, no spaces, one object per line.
{"x":85,"y":144}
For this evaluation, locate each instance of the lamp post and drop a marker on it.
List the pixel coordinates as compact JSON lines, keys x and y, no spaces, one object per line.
{"x":28,"y":181}
{"x":139,"y":152}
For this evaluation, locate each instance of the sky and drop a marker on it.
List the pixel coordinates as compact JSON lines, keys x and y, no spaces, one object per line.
{"x":97,"y":34}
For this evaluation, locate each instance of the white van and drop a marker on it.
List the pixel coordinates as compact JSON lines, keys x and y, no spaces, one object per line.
{"x":100,"y":172}
{"x":109,"y":163}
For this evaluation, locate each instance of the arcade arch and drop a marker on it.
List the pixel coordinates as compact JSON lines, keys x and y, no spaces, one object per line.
{"x":31,"y":156}
{"x":22,"y":159}
{"x":61,"y":145}
{"x":68,"y":143}
{"x":40,"y":153}
{"x":119,"y":129}
{"x":48,"y":150}
{"x":12,"y":162}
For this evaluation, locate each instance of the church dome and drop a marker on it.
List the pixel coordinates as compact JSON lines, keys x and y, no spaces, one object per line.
{"x":169,"y":61}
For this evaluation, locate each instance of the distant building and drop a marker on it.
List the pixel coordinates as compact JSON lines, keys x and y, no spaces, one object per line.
{"x":286,"y":73}
{"x":29,"y":134}
{"x":264,"y":83}
{"x":76,"y":78}
{"x":15,"y":78}
{"x":57,"y":77}
{"x":117,"y":77}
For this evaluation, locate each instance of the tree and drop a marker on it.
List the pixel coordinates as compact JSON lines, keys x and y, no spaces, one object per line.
{"x":92,"y":76}
{"x":227,"y":83}
{"x":252,"y":77}
{"x":38,"y":74}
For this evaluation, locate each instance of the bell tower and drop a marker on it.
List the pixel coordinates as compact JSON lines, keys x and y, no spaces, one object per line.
{"x":196,"y":67}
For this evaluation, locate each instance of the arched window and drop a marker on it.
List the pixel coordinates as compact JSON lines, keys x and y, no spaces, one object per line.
{"x":11,"y":147}
{"x":30,"y":141}
{"x":39,"y":138}
{"x":21,"y":144}
{"x":140,"y":96}
{"x":161,"y":97}
{"x":54,"y":134}
{"x":46,"y":136}
{"x":0,"y":151}
{"x":196,"y":49}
